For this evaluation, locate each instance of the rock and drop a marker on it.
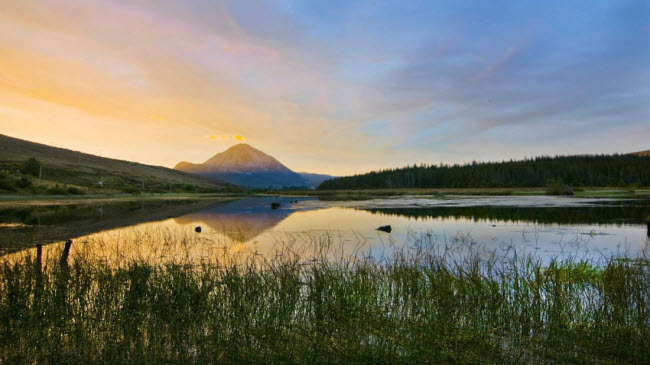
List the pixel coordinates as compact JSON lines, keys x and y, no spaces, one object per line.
{"x":275,"y":205}
{"x":386,"y":229}
{"x":197,"y":229}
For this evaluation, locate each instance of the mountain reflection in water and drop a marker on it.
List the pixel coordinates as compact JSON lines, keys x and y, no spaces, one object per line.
{"x":542,"y":225}
{"x":243,"y":219}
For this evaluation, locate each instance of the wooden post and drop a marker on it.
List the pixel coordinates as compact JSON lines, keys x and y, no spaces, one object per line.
{"x":66,"y":253}
{"x":39,"y":256}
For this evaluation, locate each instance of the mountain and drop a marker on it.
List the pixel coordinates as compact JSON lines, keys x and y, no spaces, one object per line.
{"x":313,"y":180}
{"x":247,"y":166}
{"x":74,"y":168}
{"x":642,"y":153}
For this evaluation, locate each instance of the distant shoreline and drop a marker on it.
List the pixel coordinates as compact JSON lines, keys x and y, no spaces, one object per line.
{"x":327,"y":194}
{"x":579,"y":192}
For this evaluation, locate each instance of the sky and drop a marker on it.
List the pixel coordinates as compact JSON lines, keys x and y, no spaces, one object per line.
{"x":338,"y":87}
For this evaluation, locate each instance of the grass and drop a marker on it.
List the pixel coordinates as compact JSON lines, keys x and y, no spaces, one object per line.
{"x":418,"y":306}
{"x":13,"y":200}
{"x":83,"y":171}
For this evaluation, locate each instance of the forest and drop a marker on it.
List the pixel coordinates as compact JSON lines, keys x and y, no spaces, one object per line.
{"x":578,"y":171}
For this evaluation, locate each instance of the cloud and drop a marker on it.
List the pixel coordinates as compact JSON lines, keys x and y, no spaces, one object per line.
{"x":490,"y":69}
{"x":326,"y":93}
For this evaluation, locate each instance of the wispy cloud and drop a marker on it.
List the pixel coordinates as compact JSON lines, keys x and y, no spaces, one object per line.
{"x":321,"y":85}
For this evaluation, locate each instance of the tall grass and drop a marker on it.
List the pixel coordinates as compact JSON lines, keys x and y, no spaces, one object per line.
{"x":418,"y":307}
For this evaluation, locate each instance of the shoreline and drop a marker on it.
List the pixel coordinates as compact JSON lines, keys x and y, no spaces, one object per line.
{"x":595,"y":192}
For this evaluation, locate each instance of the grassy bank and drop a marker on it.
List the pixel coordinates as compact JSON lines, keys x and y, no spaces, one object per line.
{"x":369,"y":193}
{"x":420,"y":308}
{"x":18,"y":200}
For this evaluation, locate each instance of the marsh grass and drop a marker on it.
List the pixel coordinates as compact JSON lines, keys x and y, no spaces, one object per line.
{"x":416,"y":306}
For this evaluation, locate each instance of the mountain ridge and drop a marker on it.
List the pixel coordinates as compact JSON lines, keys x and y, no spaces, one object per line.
{"x":243,"y":164}
{"x":241,"y":157}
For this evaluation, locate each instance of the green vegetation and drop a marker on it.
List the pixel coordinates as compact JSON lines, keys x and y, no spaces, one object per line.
{"x":621,"y":214}
{"x":577,"y":171}
{"x":83,"y":172}
{"x":21,"y":181}
{"x":558,"y":187}
{"x":442,"y":193}
{"x":74,"y":191}
{"x":419,"y":308}
{"x":31,"y":167}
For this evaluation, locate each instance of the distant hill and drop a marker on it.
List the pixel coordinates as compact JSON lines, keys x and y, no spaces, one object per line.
{"x":583,"y":170}
{"x":313,"y":180}
{"x":74,"y":168}
{"x":247,"y":166}
{"x":643,"y":153}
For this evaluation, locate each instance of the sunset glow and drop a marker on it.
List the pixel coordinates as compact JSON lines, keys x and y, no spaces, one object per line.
{"x":339,"y":88}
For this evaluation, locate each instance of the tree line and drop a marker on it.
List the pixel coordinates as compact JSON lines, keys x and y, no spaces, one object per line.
{"x":582,"y":170}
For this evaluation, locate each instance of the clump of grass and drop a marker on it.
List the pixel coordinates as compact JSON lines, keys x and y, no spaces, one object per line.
{"x":410,"y":308}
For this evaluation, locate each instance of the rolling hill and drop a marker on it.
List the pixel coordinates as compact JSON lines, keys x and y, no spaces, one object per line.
{"x":82,"y":170}
{"x":247,"y":166}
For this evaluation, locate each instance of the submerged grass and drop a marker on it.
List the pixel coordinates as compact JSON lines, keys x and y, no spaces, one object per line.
{"x":419,"y":307}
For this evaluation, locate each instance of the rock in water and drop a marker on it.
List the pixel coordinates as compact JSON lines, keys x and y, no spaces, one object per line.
{"x":386,"y":229}
{"x":275,"y":205}
{"x":197,"y":229}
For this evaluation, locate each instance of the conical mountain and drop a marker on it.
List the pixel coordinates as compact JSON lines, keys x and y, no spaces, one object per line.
{"x":244,"y":158}
{"x":245,"y":165}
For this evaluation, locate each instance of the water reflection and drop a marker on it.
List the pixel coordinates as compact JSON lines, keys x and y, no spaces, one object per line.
{"x":243,"y":219}
{"x":27,"y":225}
{"x":160,"y":231}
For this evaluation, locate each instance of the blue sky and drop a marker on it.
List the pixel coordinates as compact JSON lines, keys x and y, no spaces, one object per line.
{"x":329,"y":86}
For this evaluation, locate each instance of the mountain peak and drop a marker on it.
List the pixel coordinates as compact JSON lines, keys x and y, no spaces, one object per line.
{"x":241,"y":146}
{"x":245,"y":165}
{"x":244,"y":158}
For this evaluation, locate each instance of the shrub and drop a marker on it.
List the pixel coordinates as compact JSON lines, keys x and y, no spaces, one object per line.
{"x":6,"y":184}
{"x":24,"y":182}
{"x":132,"y":190}
{"x":75,"y":191}
{"x":558,"y":187}
{"x":31,"y":166}
{"x":56,"y":191}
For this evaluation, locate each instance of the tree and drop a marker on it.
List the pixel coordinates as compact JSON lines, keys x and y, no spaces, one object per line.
{"x":31,"y":166}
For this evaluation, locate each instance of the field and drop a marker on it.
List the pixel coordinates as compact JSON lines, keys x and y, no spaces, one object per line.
{"x":419,"y":306}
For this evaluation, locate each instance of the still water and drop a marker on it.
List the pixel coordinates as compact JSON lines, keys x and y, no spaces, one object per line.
{"x":164,"y":230}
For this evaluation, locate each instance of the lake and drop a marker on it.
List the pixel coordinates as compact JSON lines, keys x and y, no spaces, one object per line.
{"x":492,"y":227}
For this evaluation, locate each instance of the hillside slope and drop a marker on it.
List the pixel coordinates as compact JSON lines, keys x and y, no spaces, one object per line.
{"x":62,"y":166}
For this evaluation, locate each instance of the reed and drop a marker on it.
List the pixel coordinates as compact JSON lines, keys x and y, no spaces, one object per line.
{"x":420,"y":307}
